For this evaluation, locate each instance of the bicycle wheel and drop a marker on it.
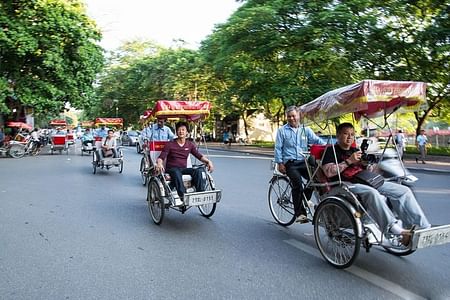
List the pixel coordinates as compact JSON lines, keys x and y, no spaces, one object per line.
{"x":121,"y":166}
{"x":17,"y":151}
{"x":207,"y":210}
{"x":155,"y":202}
{"x":94,"y":163}
{"x":144,"y":172}
{"x":336,"y":234}
{"x":280,"y":200}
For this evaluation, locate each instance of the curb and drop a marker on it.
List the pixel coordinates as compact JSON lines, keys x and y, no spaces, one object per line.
{"x":266,"y":154}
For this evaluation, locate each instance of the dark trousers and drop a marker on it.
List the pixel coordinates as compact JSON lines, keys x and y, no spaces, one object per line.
{"x":295,"y":170}
{"x":176,"y":175}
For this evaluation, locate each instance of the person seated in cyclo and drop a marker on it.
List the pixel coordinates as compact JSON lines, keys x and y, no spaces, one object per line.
{"x":87,"y":137}
{"x":109,"y":145}
{"x":403,"y":201}
{"x":292,"y":139}
{"x":157,"y":132}
{"x":176,"y":153}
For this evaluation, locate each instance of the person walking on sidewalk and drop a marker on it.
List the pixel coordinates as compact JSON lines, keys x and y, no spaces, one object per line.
{"x":421,"y":143}
{"x":292,"y":139}
{"x":400,"y":141}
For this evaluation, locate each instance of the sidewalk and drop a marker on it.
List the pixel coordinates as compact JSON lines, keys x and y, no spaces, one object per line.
{"x":432,"y":163}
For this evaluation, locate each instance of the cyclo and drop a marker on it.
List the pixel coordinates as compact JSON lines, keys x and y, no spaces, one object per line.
{"x":98,"y":160}
{"x":59,"y":141}
{"x":341,"y":223}
{"x":160,"y":193}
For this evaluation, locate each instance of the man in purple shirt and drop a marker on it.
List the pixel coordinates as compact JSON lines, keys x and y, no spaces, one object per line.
{"x":176,"y":153}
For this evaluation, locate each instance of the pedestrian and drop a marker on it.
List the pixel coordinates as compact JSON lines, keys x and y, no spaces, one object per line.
{"x":292,"y":139}
{"x":421,"y":143}
{"x":2,"y":136}
{"x":226,"y":137}
{"x":400,"y":142}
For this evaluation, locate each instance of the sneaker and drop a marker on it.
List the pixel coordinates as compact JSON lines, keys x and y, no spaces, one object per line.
{"x":302,"y":219}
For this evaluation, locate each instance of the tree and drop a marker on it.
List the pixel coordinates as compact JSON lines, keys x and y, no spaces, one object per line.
{"x":48,"y":55}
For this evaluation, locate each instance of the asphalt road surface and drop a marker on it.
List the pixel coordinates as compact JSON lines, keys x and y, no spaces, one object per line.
{"x":66,"y":233}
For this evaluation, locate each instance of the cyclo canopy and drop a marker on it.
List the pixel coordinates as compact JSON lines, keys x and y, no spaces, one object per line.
{"x":189,"y":110}
{"x":20,"y":125}
{"x":116,"y":122}
{"x":368,"y":98}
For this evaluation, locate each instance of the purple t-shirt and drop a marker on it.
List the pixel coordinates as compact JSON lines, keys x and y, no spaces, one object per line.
{"x":177,"y":155}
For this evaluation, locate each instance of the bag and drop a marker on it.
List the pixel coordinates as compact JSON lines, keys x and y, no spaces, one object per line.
{"x":369,"y":178}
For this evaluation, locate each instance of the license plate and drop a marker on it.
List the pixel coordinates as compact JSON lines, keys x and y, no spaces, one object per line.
{"x":432,"y":236}
{"x":196,"y":199}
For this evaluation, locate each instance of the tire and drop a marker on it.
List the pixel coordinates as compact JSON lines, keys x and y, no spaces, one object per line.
{"x":336,"y":234}
{"x":144,"y":175}
{"x":155,"y":202}
{"x":94,"y":163}
{"x":280,"y":200}
{"x":207,"y":210}
{"x":17,"y":151}
{"x":138,"y":149}
{"x":121,"y":166}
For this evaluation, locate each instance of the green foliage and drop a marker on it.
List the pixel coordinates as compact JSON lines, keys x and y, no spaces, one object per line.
{"x":48,"y":54}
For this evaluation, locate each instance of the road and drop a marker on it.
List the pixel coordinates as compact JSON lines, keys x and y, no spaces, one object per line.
{"x":68,"y":234}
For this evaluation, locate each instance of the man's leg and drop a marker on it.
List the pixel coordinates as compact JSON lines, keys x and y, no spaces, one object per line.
{"x":197,"y":178}
{"x":293,"y":171}
{"x":404,"y":204}
{"x":376,"y":205}
{"x":177,"y":181}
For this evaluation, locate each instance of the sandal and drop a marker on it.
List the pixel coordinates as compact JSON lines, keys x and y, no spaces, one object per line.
{"x":406,"y":236}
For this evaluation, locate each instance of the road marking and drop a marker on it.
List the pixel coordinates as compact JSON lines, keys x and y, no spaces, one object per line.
{"x":361,"y":273}
{"x":434,"y":191}
{"x":240,"y":156}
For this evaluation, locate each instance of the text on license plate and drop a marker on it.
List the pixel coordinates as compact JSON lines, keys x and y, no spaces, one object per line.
{"x":434,"y":236}
{"x":202,"y":199}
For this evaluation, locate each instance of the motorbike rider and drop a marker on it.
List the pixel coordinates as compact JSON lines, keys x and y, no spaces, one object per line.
{"x":36,"y":139}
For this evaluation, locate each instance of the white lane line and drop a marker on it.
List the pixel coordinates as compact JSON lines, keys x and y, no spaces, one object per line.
{"x":363,"y":274}
{"x":434,"y":191}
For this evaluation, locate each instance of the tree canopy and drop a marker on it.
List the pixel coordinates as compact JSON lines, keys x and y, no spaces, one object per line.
{"x":48,"y":54}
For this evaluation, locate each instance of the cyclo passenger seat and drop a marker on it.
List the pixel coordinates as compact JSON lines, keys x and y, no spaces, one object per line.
{"x":155,"y":148}
{"x":315,"y":161}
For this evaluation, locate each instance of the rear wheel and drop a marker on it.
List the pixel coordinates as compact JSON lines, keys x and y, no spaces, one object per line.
{"x":280,"y":200}
{"x":17,"y":151}
{"x":121,"y":166}
{"x":207,"y":210}
{"x":155,"y":202}
{"x":94,"y":163}
{"x":336,"y":234}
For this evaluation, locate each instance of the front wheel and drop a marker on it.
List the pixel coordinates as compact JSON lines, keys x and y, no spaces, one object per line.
{"x":207,"y":210}
{"x":94,"y":163}
{"x":280,"y":200}
{"x":17,"y":151}
{"x":155,"y":202}
{"x":336,"y":233}
{"x":144,"y":172}
{"x":121,"y":166}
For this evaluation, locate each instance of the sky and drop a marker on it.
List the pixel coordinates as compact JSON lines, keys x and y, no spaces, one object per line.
{"x":161,"y":21}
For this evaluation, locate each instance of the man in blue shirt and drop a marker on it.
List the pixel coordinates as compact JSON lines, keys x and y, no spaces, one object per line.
{"x":158,"y":132}
{"x":292,"y":139}
{"x":102,"y":132}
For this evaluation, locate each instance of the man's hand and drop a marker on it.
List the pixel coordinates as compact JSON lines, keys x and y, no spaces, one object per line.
{"x":356,"y":157}
{"x":210,"y":166}
{"x":282,"y":168}
{"x":159,"y":166}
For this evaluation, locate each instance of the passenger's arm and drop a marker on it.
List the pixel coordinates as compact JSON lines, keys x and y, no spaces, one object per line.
{"x":330,"y":169}
{"x":208,"y":163}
